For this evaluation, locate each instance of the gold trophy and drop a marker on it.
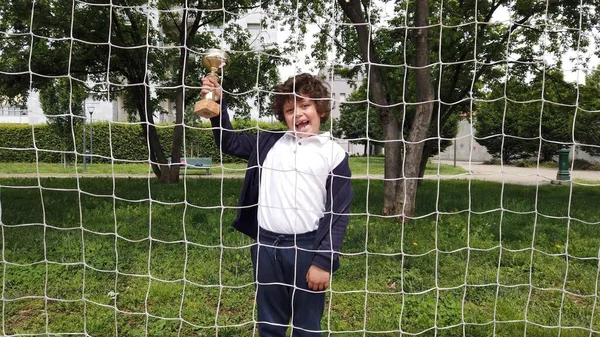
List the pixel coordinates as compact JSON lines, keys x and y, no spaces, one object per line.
{"x":214,"y":61}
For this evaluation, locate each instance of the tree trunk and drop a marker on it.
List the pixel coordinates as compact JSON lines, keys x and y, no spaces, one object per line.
{"x":429,"y":145}
{"x":155,"y":151}
{"x":421,"y":123}
{"x":186,"y":37}
{"x":392,"y":164}
{"x":177,"y":137}
{"x":377,"y":91}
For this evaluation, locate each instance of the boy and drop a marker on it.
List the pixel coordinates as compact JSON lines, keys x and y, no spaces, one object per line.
{"x":294,"y":202}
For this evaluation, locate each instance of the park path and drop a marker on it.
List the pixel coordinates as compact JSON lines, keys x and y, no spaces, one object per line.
{"x":475,"y":171}
{"x":517,"y":175}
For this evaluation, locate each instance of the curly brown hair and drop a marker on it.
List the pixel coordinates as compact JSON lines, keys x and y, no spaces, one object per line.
{"x":303,"y":85}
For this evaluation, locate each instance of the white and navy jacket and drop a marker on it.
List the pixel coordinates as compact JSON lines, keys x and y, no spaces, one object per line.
{"x":254,"y":148}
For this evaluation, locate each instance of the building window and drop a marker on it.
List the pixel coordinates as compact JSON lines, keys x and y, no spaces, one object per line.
{"x":12,"y":111}
{"x":254,"y":28}
{"x":342,"y":97}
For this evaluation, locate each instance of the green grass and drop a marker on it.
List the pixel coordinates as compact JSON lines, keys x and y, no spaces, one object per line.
{"x":375,"y":166}
{"x":358,"y":165}
{"x":468,"y":273}
{"x":103,"y":168}
{"x":587,"y":181}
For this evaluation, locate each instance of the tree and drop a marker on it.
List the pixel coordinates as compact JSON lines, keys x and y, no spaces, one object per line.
{"x":353,"y":117}
{"x":587,"y":119}
{"x":419,"y":128}
{"x":116,"y":45}
{"x":249,"y":65}
{"x":353,"y":121}
{"x":527,"y":118}
{"x":62,"y":103}
{"x":468,"y":52}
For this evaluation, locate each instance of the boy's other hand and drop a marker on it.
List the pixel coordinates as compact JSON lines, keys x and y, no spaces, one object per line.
{"x":317,"y":278}
{"x":210,"y":85}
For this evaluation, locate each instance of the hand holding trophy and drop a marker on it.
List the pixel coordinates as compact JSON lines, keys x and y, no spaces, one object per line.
{"x":214,"y":61}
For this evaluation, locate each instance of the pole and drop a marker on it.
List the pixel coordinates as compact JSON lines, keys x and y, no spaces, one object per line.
{"x":91,"y":111}
{"x":563,"y":165}
{"x":84,"y":149}
{"x":454,"y":152}
{"x":91,"y":137}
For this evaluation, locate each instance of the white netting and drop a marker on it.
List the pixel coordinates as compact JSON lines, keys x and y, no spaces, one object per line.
{"x":93,"y":244}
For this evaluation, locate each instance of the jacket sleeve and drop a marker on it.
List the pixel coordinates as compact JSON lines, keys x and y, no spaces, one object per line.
{"x":336,"y":218}
{"x":229,"y":141}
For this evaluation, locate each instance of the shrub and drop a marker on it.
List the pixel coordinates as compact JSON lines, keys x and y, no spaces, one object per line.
{"x":122,"y":142}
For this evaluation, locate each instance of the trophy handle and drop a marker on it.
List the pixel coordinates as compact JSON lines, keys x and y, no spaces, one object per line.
{"x":213,"y":76}
{"x":207,"y":107}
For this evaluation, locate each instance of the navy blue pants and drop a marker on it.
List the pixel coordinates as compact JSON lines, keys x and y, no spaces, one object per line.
{"x":281,"y":262}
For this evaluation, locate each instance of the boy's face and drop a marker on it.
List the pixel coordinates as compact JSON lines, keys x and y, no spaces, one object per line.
{"x":302,"y":117}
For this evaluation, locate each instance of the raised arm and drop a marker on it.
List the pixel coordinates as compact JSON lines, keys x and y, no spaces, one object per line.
{"x":228,"y":141}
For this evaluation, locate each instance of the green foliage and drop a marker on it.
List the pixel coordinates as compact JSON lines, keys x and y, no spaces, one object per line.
{"x":468,"y":50}
{"x":587,"y":120}
{"x":123,"y":142}
{"x":44,"y":53}
{"x":521,"y":114}
{"x":353,"y":118}
{"x":247,"y":69}
{"x":25,"y":139}
{"x":353,"y":121}
{"x":62,"y":103}
{"x":117,"y":46}
{"x":584,"y":165}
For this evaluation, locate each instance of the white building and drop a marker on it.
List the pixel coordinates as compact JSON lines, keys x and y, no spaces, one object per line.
{"x":33,"y":114}
{"x":10,"y":114}
{"x":340,"y":90}
{"x":465,"y":147}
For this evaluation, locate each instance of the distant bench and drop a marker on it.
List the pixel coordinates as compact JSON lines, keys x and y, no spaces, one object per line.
{"x":196,"y":163}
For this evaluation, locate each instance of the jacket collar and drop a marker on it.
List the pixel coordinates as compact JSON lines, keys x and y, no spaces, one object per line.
{"x":322,"y":137}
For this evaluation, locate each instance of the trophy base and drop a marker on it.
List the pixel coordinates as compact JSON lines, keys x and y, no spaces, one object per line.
{"x":207,"y":108}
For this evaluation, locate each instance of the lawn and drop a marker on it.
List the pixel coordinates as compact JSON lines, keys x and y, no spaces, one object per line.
{"x":359,"y":166}
{"x":132,"y":257}
{"x":587,"y":182}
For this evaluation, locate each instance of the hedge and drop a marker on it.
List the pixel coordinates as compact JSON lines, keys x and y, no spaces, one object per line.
{"x":23,"y":143}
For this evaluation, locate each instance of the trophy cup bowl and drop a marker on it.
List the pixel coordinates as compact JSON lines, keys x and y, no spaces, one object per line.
{"x":214,"y":60}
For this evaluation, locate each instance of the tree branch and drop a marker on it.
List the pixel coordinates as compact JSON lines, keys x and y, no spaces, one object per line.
{"x":458,"y":67}
{"x":353,"y":11}
{"x":333,"y":38}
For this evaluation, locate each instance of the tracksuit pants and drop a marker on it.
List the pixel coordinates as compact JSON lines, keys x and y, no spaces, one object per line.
{"x":280,"y":263}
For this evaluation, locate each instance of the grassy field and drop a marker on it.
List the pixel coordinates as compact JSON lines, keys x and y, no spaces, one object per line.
{"x":89,"y":256}
{"x":358,"y":165}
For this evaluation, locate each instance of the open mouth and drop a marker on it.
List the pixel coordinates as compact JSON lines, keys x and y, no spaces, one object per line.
{"x":301,"y":125}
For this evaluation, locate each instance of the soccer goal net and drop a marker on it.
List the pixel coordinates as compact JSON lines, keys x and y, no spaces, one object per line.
{"x":472,"y":129}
